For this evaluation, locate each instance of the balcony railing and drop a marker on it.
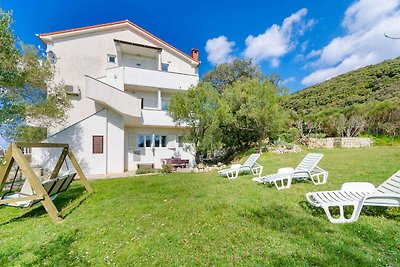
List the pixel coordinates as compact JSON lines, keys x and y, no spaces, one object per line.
{"x":155,"y":78}
{"x":108,"y":95}
{"x":156,"y":118}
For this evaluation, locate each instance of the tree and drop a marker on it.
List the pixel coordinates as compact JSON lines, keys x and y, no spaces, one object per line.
{"x":26,"y":91}
{"x":227,"y":74}
{"x":196,"y":108}
{"x":249,"y":112}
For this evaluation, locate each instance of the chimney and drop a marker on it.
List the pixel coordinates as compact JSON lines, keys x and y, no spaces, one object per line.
{"x":195,"y":54}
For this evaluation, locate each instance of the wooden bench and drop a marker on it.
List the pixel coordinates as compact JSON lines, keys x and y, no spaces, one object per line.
{"x":176,"y":162}
{"x":147,"y":165}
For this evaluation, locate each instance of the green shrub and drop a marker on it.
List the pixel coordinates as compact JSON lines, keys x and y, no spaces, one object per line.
{"x":146,"y":170}
{"x":166,"y":168}
{"x":383,"y":140}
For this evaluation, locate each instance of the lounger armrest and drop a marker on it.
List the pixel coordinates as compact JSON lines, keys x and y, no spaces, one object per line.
{"x":358,"y":186}
{"x":382,"y":199}
{"x":382,"y":195}
{"x":318,"y":169}
{"x":307,"y":172}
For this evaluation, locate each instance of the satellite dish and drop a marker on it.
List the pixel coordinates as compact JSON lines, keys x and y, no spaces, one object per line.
{"x":51,"y":56}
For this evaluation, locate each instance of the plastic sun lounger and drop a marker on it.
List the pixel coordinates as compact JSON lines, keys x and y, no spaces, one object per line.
{"x":250,"y":166}
{"x":357,"y":194}
{"x":307,"y":169}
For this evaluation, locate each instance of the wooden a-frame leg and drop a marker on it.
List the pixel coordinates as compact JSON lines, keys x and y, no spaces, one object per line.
{"x":78,"y":169}
{"x":35,"y":184}
{"x":6,"y":165}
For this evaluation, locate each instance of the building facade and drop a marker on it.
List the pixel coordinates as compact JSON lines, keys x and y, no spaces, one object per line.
{"x":120,"y":79}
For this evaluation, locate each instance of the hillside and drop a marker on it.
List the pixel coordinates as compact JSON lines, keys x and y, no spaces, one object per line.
{"x":372,"y":83}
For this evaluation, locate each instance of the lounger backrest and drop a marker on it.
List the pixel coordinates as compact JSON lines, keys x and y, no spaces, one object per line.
{"x":68,"y":181}
{"x":309,"y":162}
{"x":387,"y":194}
{"x":48,"y":186}
{"x":391,"y":185}
{"x":62,"y":183}
{"x":251,"y":160}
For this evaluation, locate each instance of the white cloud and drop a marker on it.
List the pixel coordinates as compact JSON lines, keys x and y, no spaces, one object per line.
{"x":350,"y":63}
{"x":219,"y":50}
{"x":313,"y":53}
{"x":288,"y":80}
{"x":366,"y":21}
{"x":304,"y":46}
{"x":362,"y":15}
{"x":277,"y":40}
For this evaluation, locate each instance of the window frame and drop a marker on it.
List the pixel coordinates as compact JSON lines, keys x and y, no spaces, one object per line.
{"x":109,"y":56}
{"x":94,"y":148}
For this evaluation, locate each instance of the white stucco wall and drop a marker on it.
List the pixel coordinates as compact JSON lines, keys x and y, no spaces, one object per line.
{"x":146,"y":154}
{"x":79,"y":137}
{"x":106,"y":123}
{"x":115,"y":142}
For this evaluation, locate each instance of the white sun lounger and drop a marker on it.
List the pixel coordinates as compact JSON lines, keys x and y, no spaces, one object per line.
{"x":357,"y":195}
{"x":307,"y":169}
{"x":249,"y":165}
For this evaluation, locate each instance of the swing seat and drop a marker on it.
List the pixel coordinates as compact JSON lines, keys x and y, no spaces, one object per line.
{"x":52,"y":187}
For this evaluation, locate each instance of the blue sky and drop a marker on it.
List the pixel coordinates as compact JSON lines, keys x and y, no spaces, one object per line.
{"x":305,"y":41}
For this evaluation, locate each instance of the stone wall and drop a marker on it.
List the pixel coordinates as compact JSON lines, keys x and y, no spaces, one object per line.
{"x":339,"y":142}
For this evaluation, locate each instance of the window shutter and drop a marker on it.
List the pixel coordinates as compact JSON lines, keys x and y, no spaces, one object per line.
{"x":132,"y":140}
{"x":98,"y":144}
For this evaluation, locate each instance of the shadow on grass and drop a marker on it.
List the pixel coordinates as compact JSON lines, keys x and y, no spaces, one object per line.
{"x":61,"y":202}
{"x":60,"y":251}
{"x":323,"y":241}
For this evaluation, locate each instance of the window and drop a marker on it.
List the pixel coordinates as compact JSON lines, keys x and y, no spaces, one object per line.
{"x":98,"y":144}
{"x":148,"y":140}
{"x":140,"y":140}
{"x":111,"y":58}
{"x":157,"y":141}
{"x":163,"y":141}
{"x":164,"y":66}
{"x":180,"y":141}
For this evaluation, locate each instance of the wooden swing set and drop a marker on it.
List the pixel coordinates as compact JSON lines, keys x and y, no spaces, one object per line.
{"x":43,"y":192}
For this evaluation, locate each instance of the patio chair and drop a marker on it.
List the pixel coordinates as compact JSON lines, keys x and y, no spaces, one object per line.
{"x":249,"y":165}
{"x":307,"y":169}
{"x":357,"y":194}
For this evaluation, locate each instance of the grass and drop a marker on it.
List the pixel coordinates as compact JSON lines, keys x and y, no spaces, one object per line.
{"x":202,"y":219}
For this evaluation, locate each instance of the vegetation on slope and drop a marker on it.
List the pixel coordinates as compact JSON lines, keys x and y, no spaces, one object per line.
{"x":378,"y":82}
{"x":366,"y":100}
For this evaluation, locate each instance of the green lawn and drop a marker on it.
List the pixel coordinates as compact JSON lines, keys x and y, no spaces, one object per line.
{"x":202,"y":219}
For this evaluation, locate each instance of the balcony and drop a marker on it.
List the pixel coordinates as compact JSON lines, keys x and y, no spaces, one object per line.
{"x":155,"y":78}
{"x":157,"y":118}
{"x":112,"y":97}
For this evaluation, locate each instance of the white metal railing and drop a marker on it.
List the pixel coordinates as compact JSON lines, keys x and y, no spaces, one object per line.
{"x":113,"y":97}
{"x":158,"y":78}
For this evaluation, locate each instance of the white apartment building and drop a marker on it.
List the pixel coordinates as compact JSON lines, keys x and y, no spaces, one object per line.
{"x":120,"y":78}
